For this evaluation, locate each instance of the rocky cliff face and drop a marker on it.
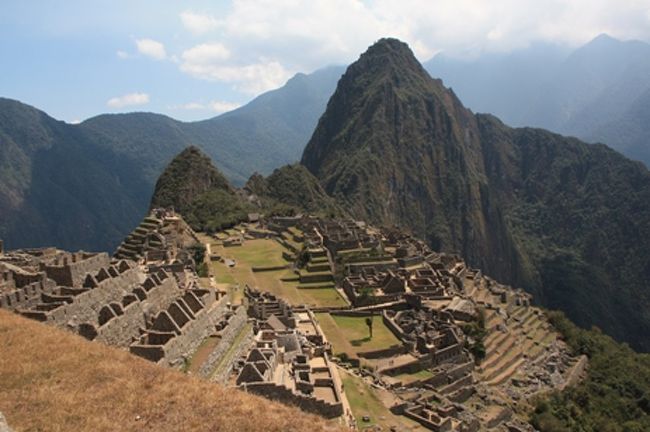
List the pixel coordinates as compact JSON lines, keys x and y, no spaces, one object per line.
{"x":566,"y":220}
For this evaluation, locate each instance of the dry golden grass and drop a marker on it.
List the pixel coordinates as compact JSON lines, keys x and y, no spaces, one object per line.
{"x":51,"y":380}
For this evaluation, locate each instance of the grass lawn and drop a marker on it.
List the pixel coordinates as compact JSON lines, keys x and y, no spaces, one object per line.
{"x":356,"y":332}
{"x":222,"y":274}
{"x":407,"y":378}
{"x":334,"y":335}
{"x":322,"y":297}
{"x":202,"y":353}
{"x":295,"y":231}
{"x":256,"y":253}
{"x":365,"y":401}
{"x":225,"y":359}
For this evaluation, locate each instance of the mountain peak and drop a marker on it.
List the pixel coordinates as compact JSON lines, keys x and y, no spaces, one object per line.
{"x":388,"y":54}
{"x":389,"y":45}
{"x":604,"y":38}
{"x":384,"y":90}
{"x":189,"y":175}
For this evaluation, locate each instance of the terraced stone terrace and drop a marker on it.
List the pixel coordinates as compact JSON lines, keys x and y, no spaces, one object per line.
{"x":430,"y":313}
{"x":260,"y":262}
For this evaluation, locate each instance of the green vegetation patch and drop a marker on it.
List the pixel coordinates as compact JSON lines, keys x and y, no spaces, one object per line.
{"x":614,"y":397}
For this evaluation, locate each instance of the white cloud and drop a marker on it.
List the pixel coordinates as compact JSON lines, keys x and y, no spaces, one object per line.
{"x":213,"y":62}
{"x":122,"y":54}
{"x":222,"y":106}
{"x":252,"y":78}
{"x":131,"y":99}
{"x":268,"y":40}
{"x":151,"y":48}
{"x":197,"y":23}
{"x":206,"y":53}
{"x":304,"y":35}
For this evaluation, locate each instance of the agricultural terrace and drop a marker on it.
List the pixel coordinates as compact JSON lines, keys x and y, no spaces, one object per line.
{"x":260,"y":253}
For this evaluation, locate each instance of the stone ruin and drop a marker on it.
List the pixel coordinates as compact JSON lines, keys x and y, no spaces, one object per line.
{"x":161,"y":236}
{"x":289,"y":358}
{"x":154,"y":307}
{"x":427,"y":299}
{"x":429,"y":335}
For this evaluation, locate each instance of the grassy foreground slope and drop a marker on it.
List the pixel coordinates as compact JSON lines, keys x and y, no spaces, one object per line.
{"x":51,"y":380}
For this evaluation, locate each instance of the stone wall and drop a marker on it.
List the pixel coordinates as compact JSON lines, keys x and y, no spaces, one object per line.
{"x":27,"y":296}
{"x":391,"y":351}
{"x":122,"y":327}
{"x":235,"y":324}
{"x":434,"y":422}
{"x":177,"y":332}
{"x":71,"y":270}
{"x":304,"y":402}
{"x":85,"y":307}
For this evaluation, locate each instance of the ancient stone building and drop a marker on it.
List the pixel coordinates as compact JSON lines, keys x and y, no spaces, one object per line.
{"x":289,"y":360}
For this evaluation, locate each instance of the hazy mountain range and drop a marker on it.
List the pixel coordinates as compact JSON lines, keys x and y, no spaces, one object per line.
{"x":599,"y":92}
{"x":85,"y":186}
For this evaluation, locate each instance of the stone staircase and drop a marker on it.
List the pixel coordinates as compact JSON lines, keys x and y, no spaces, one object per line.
{"x":134,"y":244}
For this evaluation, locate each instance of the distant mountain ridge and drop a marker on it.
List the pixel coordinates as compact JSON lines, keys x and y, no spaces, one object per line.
{"x":566,"y":220}
{"x":85,"y":186}
{"x":597,"y":92}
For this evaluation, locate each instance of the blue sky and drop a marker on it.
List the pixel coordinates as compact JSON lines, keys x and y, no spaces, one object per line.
{"x":195,"y":59}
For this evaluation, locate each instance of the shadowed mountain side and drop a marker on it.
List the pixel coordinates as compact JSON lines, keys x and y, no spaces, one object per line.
{"x":201,"y":194}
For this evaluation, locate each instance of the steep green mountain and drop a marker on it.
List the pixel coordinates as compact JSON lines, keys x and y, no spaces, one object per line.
{"x":268,"y":132}
{"x":291,"y":189}
{"x":203,"y":196}
{"x":85,"y":186}
{"x":199,"y":192}
{"x":58,"y":187}
{"x":597,"y":92}
{"x":566,"y":220}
